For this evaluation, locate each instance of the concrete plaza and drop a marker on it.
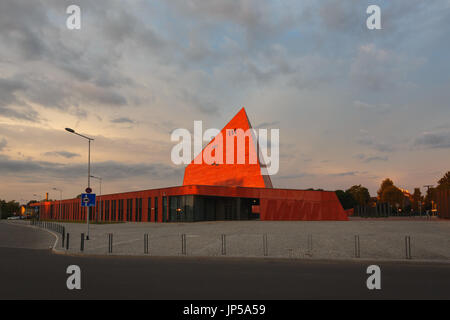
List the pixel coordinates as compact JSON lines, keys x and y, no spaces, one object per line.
{"x":378,"y":239}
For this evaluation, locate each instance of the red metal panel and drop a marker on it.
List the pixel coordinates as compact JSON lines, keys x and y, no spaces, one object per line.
{"x":223,"y":174}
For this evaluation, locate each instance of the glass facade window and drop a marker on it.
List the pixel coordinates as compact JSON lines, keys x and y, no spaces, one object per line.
{"x":156,"y":209}
{"x":113,"y":209}
{"x":174,"y":208}
{"x":138,"y":209}
{"x":149,"y":209}
{"x":129,"y":209}
{"x":121,"y":210}
{"x":164,"y":209}
{"x":181,"y":208}
{"x":106,"y":210}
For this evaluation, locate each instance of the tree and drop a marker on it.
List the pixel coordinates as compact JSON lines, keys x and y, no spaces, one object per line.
{"x":393,"y":195}
{"x":444,"y":182}
{"x":346,"y":199}
{"x":360,"y":194}
{"x":417,"y":200}
{"x":384,"y":185}
{"x":8,"y":209}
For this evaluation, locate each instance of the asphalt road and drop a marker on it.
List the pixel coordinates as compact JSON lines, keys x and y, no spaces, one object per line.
{"x":17,"y":236}
{"x":39,"y":274}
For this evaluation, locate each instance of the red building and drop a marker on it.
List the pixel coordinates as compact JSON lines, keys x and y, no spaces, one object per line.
{"x":216,"y":191}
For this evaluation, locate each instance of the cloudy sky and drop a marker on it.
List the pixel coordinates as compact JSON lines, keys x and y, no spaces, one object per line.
{"x":353,"y":105}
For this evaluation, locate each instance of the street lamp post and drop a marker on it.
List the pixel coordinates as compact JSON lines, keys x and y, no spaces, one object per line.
{"x":60,"y":200}
{"x":100,"y":206}
{"x":89,"y":173}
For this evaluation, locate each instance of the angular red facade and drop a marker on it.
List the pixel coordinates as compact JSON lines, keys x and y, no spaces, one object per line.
{"x":222,"y":172}
{"x":210,"y":191}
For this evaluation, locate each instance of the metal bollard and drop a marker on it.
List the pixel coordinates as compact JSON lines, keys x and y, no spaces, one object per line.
{"x":265,"y":247}
{"x":146,"y":243}
{"x":310,"y":246}
{"x":110,"y":242}
{"x":357,"y":248}
{"x":183,"y":244}
{"x":67,"y":241}
{"x":224,"y":245}
{"x":408,"y":247}
{"x":82,"y":242}
{"x":62,"y":239}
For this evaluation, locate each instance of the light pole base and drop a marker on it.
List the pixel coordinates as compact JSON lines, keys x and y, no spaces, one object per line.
{"x":87,"y":237}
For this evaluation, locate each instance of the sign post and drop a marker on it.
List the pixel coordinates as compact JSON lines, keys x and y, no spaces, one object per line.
{"x":88,"y":200}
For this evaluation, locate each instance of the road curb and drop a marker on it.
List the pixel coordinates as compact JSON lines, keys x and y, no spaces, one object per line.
{"x":268,"y":259}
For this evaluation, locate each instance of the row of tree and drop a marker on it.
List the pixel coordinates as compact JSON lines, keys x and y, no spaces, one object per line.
{"x":8,"y":209}
{"x":356,"y":195}
{"x":396,"y":197}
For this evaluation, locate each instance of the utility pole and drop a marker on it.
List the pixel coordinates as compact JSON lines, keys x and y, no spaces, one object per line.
{"x":89,"y":174}
{"x":428,"y":186}
{"x":100,"y":197}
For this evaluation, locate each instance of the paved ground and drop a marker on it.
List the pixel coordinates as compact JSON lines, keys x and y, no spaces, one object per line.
{"x":39,"y":274}
{"x":379,"y":238}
